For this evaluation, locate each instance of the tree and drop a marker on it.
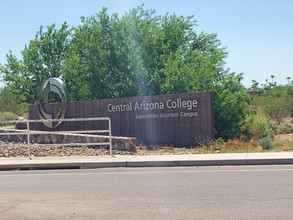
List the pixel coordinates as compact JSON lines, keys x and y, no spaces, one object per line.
{"x":232,"y":106}
{"x":127,"y":56}
{"x":288,"y":78}
{"x":254,"y":86}
{"x":98,"y":62}
{"x":272,"y":76}
{"x":41,"y":59}
{"x":139,"y":53}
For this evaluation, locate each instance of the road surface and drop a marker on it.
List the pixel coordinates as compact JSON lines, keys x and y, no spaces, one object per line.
{"x":248,"y":192}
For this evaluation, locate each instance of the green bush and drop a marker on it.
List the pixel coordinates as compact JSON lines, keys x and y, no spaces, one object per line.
{"x":277,"y":107}
{"x":10,"y":104}
{"x":217,"y":144}
{"x":7,"y":116}
{"x":266,"y":143}
{"x":257,"y":126}
{"x":273,"y":126}
{"x":232,"y":105}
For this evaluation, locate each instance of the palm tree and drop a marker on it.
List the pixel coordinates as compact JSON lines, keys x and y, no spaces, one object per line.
{"x":288,"y":78}
{"x":272,"y":76}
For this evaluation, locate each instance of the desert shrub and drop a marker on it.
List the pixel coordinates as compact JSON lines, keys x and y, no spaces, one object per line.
{"x":213,"y":146}
{"x":273,"y":126}
{"x":9,"y":103}
{"x":7,"y":116}
{"x":256,"y":126}
{"x":266,"y":143}
{"x":284,"y":128}
{"x":277,"y":108}
{"x":217,"y":144}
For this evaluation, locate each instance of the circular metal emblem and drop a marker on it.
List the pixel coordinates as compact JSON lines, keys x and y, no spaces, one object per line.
{"x":57,"y":86}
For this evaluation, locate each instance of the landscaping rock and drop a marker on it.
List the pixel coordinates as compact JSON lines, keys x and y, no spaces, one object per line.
{"x":21,"y":123}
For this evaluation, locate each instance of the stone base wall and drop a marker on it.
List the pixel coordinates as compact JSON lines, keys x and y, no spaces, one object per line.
{"x":118,"y":143}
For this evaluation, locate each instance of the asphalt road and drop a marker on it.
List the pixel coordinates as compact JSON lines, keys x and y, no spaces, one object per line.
{"x":251,"y":192}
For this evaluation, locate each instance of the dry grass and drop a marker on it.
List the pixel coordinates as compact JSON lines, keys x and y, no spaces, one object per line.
{"x":282,"y":145}
{"x":231,"y":146}
{"x":284,"y":137}
{"x":241,"y":146}
{"x":164,"y":150}
{"x":282,"y":142}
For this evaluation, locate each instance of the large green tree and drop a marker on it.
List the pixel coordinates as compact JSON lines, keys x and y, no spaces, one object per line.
{"x":42,"y":58}
{"x":97,"y":64}
{"x":139,"y":53}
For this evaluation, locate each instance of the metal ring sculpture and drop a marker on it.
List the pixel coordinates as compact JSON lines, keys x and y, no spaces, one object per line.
{"x":57,"y":86}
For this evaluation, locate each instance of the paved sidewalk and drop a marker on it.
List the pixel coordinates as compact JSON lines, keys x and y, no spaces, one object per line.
{"x":85,"y":162}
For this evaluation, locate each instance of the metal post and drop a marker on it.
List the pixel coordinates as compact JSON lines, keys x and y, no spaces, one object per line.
{"x":28,"y":139}
{"x":28,"y":132}
{"x":110,"y":136}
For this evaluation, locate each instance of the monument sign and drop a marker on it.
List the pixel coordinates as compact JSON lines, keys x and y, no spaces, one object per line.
{"x":184,"y":119}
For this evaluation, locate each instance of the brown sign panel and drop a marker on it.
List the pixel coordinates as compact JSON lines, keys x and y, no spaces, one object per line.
{"x":184,"y":119}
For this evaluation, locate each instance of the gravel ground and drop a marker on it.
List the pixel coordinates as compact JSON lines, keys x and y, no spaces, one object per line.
{"x":11,"y":149}
{"x":21,"y":150}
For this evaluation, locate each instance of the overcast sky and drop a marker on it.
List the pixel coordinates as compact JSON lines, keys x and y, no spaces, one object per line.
{"x":258,"y":34}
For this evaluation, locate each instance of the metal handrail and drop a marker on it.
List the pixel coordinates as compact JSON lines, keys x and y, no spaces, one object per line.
{"x":29,"y":132}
